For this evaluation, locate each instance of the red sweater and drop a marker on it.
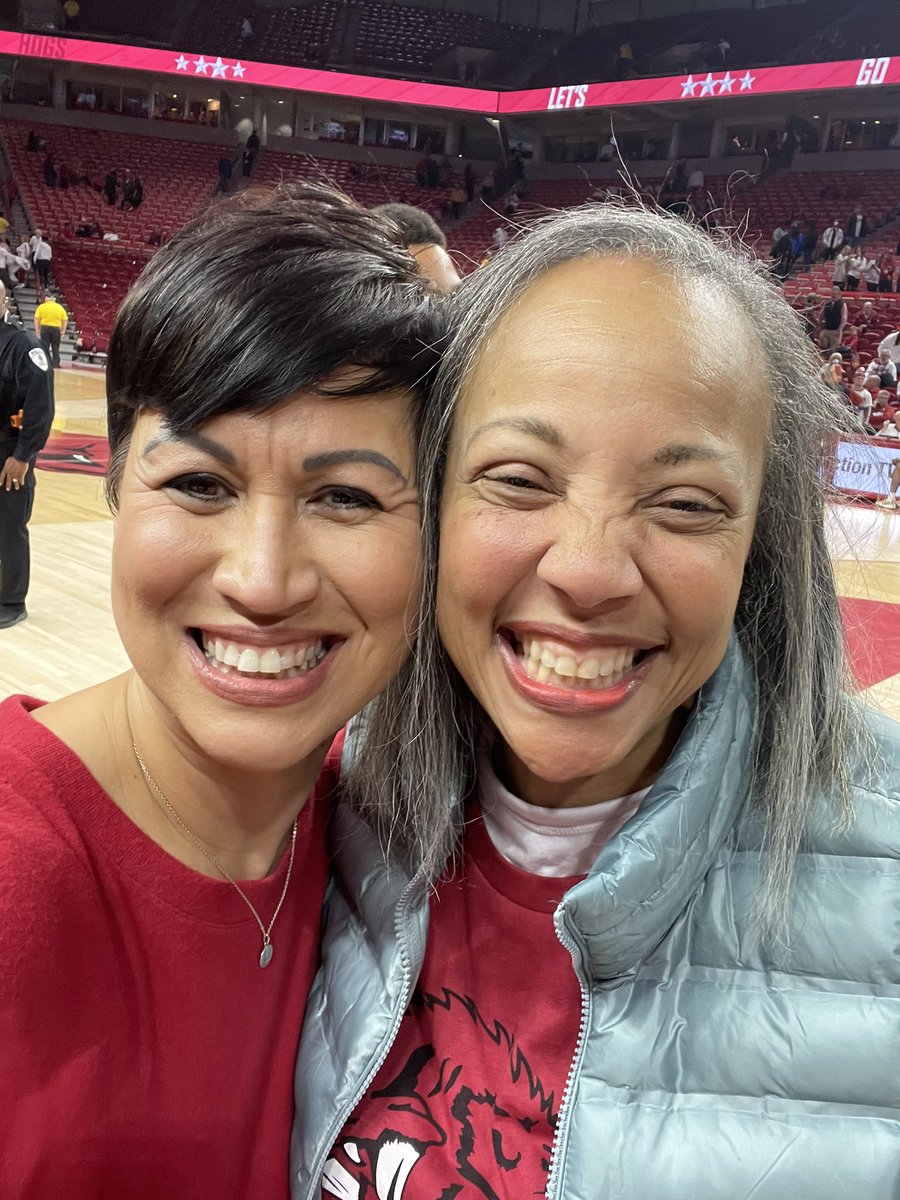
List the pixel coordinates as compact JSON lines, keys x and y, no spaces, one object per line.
{"x":144,"y":1055}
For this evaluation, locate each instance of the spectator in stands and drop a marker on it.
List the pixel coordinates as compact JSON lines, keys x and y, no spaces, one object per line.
{"x":883,"y":368}
{"x":422,"y":171}
{"x":696,"y":178}
{"x":867,"y":316}
{"x":833,"y":319}
{"x":132,"y":194}
{"x":832,"y":240}
{"x":872,"y":274}
{"x":841,"y":263}
{"x":50,"y":323}
{"x":50,"y":174}
{"x":809,"y":314}
{"x":857,"y":229}
{"x":859,"y":396}
{"x":832,"y":372}
{"x":777,"y":234}
{"x":9,"y":264}
{"x":457,"y":201}
{"x":41,"y":255}
{"x":882,"y":408}
{"x":857,"y":265}
{"x":810,"y":241}
{"x":798,"y":239}
{"x":425,"y":240}
{"x":23,"y":252}
{"x":246,"y":29}
{"x":511,"y":204}
{"x":469,"y":181}
{"x":64,"y":177}
{"x":892,"y":344}
{"x":781,"y":256}
{"x":32,"y":142}
{"x":487,"y":187}
{"x":251,"y":151}
{"x":225,"y":169}
{"x":886,"y":268}
{"x":432,"y":172}
{"x":71,"y":13}
{"x":890,"y":500}
{"x":625,"y":68}
{"x":111,"y":187}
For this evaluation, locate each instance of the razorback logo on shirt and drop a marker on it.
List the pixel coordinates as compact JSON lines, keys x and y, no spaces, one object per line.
{"x":449,"y":1130}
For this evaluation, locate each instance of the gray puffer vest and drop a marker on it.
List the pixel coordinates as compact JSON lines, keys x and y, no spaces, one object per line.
{"x":707,"y":1068}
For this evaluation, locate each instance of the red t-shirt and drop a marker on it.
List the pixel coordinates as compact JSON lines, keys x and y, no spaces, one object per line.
{"x":467,"y":1100}
{"x":144,"y":1055}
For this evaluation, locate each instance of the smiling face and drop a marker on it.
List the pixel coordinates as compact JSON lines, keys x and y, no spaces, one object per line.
{"x":593,"y":544}
{"x":263,"y":570}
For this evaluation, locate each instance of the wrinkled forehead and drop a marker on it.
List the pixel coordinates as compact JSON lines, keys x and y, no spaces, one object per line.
{"x":601,"y":317}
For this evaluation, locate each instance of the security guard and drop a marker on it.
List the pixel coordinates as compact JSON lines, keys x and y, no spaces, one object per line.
{"x":26,"y":415}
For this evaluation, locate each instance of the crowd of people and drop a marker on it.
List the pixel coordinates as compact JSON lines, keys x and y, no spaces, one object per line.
{"x":124,"y":189}
{"x":869,"y":387}
{"x":800,"y":245}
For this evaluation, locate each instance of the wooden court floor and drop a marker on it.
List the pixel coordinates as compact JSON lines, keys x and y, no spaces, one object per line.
{"x":69,"y":640}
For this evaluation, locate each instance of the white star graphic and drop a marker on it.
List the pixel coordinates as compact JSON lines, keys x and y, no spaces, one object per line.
{"x":181,"y":63}
{"x":238,"y":71}
{"x":200,"y":65}
{"x":688,"y":85}
{"x":219,"y":68}
{"x":726,"y":83}
{"x":747,"y":81}
{"x":708,"y":85}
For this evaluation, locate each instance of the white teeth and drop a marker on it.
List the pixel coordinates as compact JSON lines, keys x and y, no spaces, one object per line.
{"x":274,"y":662}
{"x":269,"y":662}
{"x":563,"y":670}
{"x":248,"y":663}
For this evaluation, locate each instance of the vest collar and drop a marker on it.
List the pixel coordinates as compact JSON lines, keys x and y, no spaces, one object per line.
{"x":646,"y":875}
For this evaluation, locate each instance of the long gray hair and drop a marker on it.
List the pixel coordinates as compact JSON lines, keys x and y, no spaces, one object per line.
{"x":420,"y":736}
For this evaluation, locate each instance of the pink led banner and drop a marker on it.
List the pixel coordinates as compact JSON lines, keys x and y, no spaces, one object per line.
{"x":807,"y":77}
{"x":244,"y":72}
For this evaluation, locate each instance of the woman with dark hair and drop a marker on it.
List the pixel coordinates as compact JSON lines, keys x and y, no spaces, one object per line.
{"x":162,"y":836}
{"x":663,"y":962}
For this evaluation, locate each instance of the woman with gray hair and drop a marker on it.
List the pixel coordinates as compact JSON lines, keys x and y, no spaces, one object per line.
{"x":663,"y":961}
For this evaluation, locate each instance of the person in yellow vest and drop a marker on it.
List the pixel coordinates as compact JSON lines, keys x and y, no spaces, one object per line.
{"x":50,"y":321}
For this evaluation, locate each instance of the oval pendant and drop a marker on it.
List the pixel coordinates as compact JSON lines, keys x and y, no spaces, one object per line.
{"x":266,"y":957}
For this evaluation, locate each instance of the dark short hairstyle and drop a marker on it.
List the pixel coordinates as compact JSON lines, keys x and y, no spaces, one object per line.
{"x":263,"y":295}
{"x":417,"y":227}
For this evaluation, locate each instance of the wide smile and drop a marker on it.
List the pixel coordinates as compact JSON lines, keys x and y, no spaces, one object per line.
{"x":261,"y":675}
{"x":555,"y":674}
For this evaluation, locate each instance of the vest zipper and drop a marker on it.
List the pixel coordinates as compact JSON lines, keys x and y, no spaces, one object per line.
{"x":574,"y":947}
{"x":328,"y":1145}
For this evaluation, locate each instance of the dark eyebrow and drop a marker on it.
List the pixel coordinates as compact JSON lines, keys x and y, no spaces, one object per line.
{"x":671,"y":456}
{"x":529,"y":425}
{"x":334,"y":458}
{"x":197,"y":440}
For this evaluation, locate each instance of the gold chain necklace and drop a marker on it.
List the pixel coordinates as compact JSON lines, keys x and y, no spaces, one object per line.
{"x":268,"y":949}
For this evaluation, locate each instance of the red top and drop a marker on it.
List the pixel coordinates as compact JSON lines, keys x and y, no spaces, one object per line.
{"x":145,"y":1055}
{"x":467,"y":1100}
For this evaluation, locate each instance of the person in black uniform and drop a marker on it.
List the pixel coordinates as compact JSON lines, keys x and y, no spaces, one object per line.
{"x":26,"y":415}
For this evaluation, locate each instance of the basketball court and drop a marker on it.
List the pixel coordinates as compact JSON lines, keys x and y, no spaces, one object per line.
{"x":69,"y":640}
